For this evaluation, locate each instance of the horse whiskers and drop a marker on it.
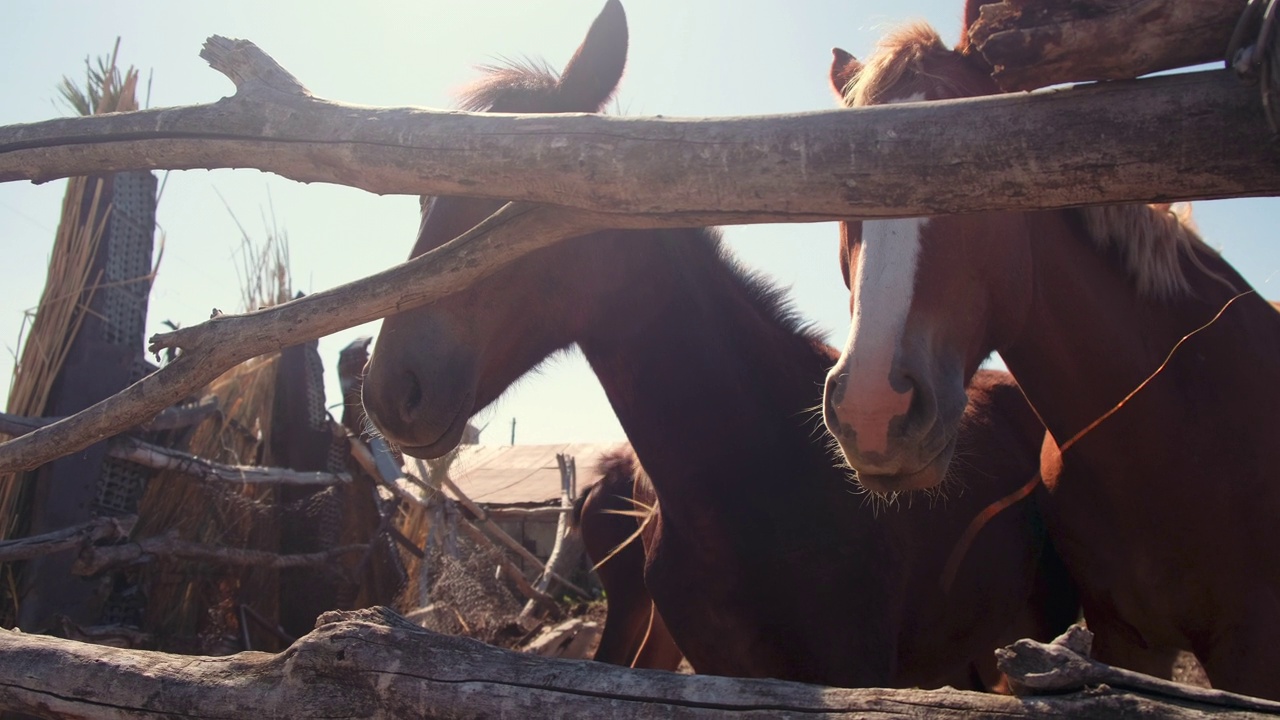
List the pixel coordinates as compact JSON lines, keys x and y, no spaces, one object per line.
{"x":936,"y":495}
{"x":813,"y":414}
{"x":373,"y":433}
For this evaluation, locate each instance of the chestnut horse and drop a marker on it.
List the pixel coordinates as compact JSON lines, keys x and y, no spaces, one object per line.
{"x":761,"y":558}
{"x":634,"y":634}
{"x":1164,"y":502}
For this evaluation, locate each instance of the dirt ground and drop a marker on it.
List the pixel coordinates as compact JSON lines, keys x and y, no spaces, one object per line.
{"x":1187,"y":671}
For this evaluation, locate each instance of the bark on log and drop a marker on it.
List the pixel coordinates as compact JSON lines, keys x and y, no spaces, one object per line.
{"x":96,"y":558}
{"x":170,"y":418}
{"x":104,"y":528}
{"x":1036,"y":43}
{"x":1090,"y":145}
{"x":374,"y":664}
{"x":1064,"y":664}
{"x":157,"y":457}
{"x":162,"y":458}
{"x":212,"y":347}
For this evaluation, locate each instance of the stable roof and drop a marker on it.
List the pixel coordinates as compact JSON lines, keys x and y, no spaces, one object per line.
{"x":522,"y":474}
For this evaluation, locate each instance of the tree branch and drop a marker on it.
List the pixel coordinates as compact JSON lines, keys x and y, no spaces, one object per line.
{"x":1065,"y":665}
{"x":103,"y":528}
{"x":162,"y":458}
{"x":1166,"y":138}
{"x":211,"y":348}
{"x":96,"y":558}
{"x":171,"y":418}
{"x":373,"y":663}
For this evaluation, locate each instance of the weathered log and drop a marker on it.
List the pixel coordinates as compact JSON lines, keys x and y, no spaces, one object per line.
{"x":570,"y":639}
{"x":1037,"y":43}
{"x":211,"y":348}
{"x":103,"y":528}
{"x":180,"y":416}
{"x":162,"y":458}
{"x":170,"y":418}
{"x":96,"y":558}
{"x":374,"y":664}
{"x":157,"y":457}
{"x":1090,"y":145}
{"x":1165,"y":138}
{"x":1064,"y":664}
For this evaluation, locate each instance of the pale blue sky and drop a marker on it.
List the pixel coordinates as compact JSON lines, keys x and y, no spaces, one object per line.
{"x":687,"y":57}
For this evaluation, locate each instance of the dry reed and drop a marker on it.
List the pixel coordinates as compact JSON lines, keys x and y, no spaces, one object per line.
{"x":52,"y":326}
{"x":194,"y":607}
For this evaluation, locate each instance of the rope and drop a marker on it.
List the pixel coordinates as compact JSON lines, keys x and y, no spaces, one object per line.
{"x":980,"y":521}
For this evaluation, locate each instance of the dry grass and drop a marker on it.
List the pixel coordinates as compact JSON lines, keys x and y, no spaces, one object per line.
{"x":195,"y":607}
{"x":51,"y":327}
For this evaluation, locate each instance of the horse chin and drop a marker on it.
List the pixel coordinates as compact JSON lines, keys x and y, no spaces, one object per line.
{"x":447,"y":440}
{"x":929,"y":476}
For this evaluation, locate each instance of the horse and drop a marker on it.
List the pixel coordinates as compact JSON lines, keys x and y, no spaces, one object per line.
{"x":1149,"y":359}
{"x":761,"y":558}
{"x":607,"y":515}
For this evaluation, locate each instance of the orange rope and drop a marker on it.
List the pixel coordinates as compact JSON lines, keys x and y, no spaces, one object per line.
{"x":985,"y":516}
{"x":1152,"y":376}
{"x":975,"y":527}
{"x":653,"y":611}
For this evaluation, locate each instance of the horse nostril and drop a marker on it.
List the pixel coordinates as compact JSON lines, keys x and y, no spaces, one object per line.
{"x":412,"y":400}
{"x":836,"y":384}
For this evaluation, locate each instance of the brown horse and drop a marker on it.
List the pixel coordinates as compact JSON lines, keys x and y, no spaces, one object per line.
{"x":762,"y":558}
{"x":1163,"y":503}
{"x":634,"y":633}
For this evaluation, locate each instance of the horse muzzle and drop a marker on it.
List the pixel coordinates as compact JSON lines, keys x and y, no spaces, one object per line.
{"x":895,"y":441}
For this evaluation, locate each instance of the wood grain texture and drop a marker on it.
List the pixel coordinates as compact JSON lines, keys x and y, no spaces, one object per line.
{"x":374,"y":664}
{"x":1184,"y":137}
{"x":1037,"y":43}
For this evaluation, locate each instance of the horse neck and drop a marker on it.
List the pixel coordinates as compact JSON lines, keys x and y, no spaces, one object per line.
{"x":1089,"y":337}
{"x":711,"y":386}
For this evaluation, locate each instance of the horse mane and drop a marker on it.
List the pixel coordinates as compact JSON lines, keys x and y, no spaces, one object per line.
{"x":504,"y":82}
{"x":903,"y":49}
{"x":1150,"y":239}
{"x":769,"y":298}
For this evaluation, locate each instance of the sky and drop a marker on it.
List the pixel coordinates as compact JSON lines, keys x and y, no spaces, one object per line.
{"x":687,"y":58}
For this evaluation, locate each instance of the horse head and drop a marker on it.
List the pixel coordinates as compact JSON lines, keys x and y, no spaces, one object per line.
{"x":435,"y":366}
{"x":922,"y":290}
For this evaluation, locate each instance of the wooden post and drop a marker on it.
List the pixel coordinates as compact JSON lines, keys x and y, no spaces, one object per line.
{"x":568,"y":549}
{"x":488,"y":525}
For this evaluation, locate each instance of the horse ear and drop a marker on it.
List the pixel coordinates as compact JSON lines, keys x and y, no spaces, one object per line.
{"x":844,"y":70}
{"x":592,"y":74}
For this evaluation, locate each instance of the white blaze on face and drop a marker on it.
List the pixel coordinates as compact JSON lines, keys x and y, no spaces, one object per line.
{"x":882,"y":290}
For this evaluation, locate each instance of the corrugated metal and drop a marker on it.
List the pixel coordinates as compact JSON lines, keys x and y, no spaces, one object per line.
{"x":521,"y":474}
